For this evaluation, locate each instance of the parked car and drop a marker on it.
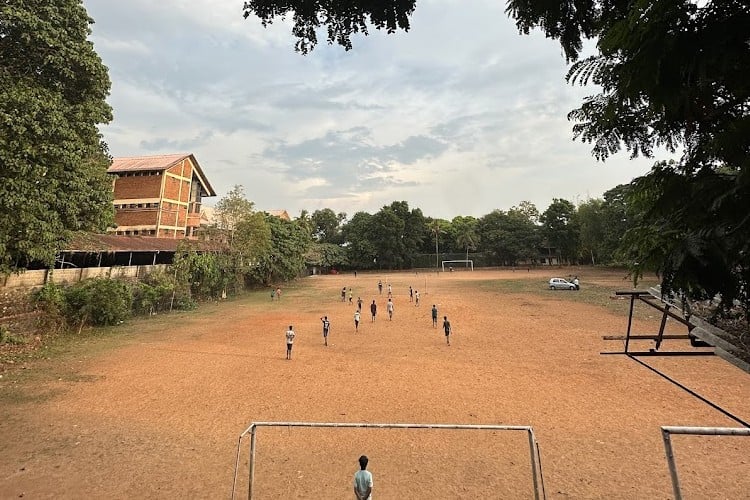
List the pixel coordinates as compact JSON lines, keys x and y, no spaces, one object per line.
{"x":561,"y":284}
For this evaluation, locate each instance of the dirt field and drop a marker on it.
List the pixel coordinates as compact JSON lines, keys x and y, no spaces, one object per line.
{"x":155,"y":411}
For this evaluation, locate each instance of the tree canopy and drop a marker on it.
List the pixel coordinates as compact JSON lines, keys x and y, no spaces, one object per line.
{"x":53,"y":162}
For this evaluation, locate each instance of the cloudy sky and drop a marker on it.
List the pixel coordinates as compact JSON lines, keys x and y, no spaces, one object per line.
{"x":459,"y":116}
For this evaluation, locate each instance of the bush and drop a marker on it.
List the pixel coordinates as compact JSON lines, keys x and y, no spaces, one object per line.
{"x":50,"y":299}
{"x":98,"y":301}
{"x":8,"y":338}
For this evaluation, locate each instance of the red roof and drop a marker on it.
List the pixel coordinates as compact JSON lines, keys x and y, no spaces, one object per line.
{"x":158,"y":163}
{"x":110,"y":243}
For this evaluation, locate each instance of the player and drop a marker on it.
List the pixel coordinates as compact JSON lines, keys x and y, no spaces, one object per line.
{"x":390,"y":290}
{"x":434,"y":315}
{"x":326,"y":328}
{"x":389,"y":308}
{"x":447,"y":328}
{"x":373,"y":310}
{"x":289,"y":341}
{"x":356,"y":320}
{"x":363,"y":481}
{"x":411,"y":294}
{"x":380,"y":287}
{"x":343,"y":294}
{"x":351,"y":295}
{"x":416,"y":297}
{"x":359,"y":304}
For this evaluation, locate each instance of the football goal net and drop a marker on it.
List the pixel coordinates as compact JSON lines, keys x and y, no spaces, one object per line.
{"x":350,"y":434}
{"x":454,"y":264}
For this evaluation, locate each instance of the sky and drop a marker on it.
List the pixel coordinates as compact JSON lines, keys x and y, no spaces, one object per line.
{"x":459,"y":116}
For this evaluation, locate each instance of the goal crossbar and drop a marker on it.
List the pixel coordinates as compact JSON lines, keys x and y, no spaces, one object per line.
{"x":462,"y":261}
{"x":667,"y":431}
{"x":534,"y":455}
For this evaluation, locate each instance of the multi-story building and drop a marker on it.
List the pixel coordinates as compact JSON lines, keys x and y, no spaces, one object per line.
{"x":158,"y":195}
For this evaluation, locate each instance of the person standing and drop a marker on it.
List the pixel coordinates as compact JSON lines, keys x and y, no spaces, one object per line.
{"x":363,"y":480}
{"x":411,"y":294}
{"x":434,"y":315}
{"x":351,"y":295}
{"x":380,"y":287}
{"x":356,"y":320}
{"x":389,"y":308}
{"x":577,"y":283}
{"x":326,"y":328}
{"x":359,"y":304}
{"x":343,"y":294}
{"x":416,"y":297}
{"x":390,"y":290}
{"x":278,"y":293}
{"x":289,"y":341}
{"x":373,"y":309}
{"x":447,"y":328}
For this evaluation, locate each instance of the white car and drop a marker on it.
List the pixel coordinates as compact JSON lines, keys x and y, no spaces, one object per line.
{"x":561,"y":284}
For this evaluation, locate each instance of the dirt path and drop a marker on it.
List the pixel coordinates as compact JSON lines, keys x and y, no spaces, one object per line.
{"x":158,"y":414}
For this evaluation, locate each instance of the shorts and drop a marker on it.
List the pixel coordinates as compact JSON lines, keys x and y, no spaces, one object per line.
{"x":447,"y":333}
{"x":325,"y":333}
{"x":289,"y":347}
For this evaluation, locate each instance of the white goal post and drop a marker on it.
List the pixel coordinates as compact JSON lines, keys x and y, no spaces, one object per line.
{"x":534,"y":455}
{"x":468,"y":262}
{"x":666,"y":431}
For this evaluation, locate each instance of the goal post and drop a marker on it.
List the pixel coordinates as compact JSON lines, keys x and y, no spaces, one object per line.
{"x":667,"y":431}
{"x":252,"y":430}
{"x":467,"y":262}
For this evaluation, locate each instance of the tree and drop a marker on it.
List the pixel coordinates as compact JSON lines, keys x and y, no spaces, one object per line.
{"x":360,"y":239}
{"x":327,"y":226}
{"x":591,"y":220}
{"x":233,"y":209}
{"x":290,"y":241}
{"x":53,"y":162}
{"x":465,"y":234}
{"x":560,"y":228}
{"x":342,"y":18}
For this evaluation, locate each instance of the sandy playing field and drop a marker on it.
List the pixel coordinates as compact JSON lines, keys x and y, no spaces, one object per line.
{"x":156,"y":410}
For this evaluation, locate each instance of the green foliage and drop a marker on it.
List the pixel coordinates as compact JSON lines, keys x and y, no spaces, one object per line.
{"x":98,"y":301}
{"x":341,"y":18}
{"x":53,"y":162}
{"x":203,"y":273}
{"x":511,"y":237}
{"x":327,"y":226}
{"x":6,"y":337}
{"x":327,"y":255}
{"x":560,"y":228}
{"x":700,"y":247}
{"x":160,"y":291}
{"x":290,"y":241}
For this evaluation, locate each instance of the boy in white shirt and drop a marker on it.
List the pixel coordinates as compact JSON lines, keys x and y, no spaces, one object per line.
{"x":289,"y":341}
{"x":363,"y":481}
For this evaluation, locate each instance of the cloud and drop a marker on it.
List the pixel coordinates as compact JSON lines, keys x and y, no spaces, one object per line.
{"x":459,"y":116}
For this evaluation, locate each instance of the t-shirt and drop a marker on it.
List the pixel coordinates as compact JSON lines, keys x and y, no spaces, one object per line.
{"x":434,"y":312}
{"x":447,"y":326}
{"x":356,"y":316}
{"x":373,"y":308}
{"x":326,"y":325}
{"x":290,"y":336}
{"x":363,"y":479}
{"x":390,"y":306}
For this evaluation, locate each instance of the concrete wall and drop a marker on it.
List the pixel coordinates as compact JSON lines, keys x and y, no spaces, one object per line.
{"x":35,"y":279}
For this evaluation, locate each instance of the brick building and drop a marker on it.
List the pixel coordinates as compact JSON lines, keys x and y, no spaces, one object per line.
{"x":158,"y":195}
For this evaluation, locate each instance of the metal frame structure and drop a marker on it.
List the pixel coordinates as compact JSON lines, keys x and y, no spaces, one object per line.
{"x":648,"y":297}
{"x":666,"y":431}
{"x":465,"y":261}
{"x":534,"y":455}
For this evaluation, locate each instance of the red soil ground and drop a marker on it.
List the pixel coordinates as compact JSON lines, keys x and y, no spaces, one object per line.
{"x":155,"y":411}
